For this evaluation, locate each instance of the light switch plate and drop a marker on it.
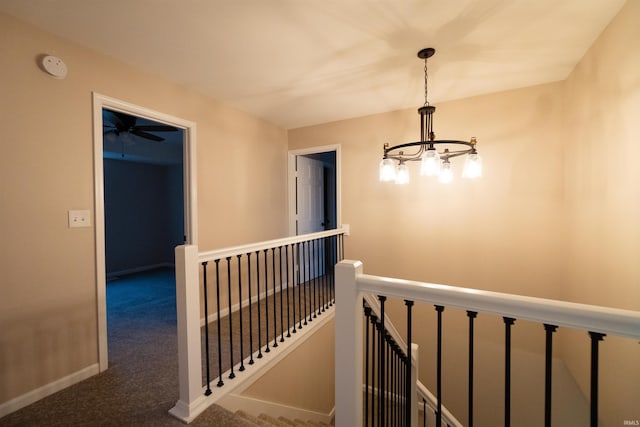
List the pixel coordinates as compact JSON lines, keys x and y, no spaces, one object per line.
{"x":79,"y":218}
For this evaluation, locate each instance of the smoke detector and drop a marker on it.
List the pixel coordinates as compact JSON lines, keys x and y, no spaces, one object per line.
{"x":54,"y":66}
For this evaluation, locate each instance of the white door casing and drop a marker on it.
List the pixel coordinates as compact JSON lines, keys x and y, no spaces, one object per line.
{"x":190,"y":194}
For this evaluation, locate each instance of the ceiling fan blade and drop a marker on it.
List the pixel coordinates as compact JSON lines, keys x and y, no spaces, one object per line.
{"x":157,"y":128}
{"x":114,"y":118}
{"x":146,"y":135}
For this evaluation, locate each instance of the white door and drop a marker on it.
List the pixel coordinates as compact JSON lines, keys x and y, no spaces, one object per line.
{"x":310,"y":195}
{"x":310,"y":212}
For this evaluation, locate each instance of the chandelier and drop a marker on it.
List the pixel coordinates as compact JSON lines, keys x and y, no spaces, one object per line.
{"x":393,"y":166}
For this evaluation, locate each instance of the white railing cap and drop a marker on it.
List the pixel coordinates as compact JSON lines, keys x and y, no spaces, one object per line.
{"x":268,"y":244}
{"x":592,"y":318}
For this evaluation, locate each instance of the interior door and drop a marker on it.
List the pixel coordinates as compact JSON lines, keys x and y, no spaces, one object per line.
{"x":310,"y":195}
{"x":310,"y":209}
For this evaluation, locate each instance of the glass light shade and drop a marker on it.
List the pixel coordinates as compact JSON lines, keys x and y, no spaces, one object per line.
{"x":472,"y":166}
{"x":402,"y":174}
{"x":387,"y":170}
{"x":430,"y":165}
{"x":446,"y":174}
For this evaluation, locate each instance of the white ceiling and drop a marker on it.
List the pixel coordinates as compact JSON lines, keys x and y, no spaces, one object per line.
{"x":303,"y":62}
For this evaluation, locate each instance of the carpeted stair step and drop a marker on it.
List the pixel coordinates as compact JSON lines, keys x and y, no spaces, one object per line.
{"x":270,"y":421}
{"x":251,"y":418}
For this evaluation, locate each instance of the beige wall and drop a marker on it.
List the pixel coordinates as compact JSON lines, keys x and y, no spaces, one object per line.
{"x":48,"y":291}
{"x":602,"y":201}
{"x":304,"y":378}
{"x":556,"y":215}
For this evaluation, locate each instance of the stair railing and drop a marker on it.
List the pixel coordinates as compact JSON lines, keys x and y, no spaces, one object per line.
{"x":352,"y":284}
{"x":376,"y":390}
{"x":235,"y":305}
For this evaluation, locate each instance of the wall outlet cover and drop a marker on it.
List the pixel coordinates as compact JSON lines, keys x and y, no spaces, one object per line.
{"x":79,"y":218}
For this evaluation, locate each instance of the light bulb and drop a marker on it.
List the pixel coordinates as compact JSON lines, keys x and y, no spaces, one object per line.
{"x":446,"y":174}
{"x":472,"y":166}
{"x":430,"y":165}
{"x":387,"y":170}
{"x":402,"y":174}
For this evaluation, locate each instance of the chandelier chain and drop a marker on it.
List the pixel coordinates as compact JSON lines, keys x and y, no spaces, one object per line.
{"x":426,"y":87}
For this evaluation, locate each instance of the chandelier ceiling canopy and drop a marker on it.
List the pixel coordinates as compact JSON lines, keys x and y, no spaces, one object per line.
{"x":432,"y":153}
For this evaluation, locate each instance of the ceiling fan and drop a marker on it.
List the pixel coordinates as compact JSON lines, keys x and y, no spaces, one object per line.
{"x":117,"y":123}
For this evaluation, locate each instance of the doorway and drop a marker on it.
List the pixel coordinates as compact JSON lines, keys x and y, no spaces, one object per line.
{"x":314,"y":189}
{"x":314,"y":195}
{"x":143,"y":193}
{"x":106,"y":147}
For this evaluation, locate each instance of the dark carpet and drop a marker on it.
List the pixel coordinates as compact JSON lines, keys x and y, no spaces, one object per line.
{"x":141,"y":384}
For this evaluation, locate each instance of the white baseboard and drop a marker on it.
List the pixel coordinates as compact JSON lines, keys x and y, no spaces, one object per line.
{"x":114,"y":274}
{"x":47,"y":390}
{"x":186,"y":412}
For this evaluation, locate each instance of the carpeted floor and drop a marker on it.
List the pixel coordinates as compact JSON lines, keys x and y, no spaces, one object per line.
{"x":141,"y":384}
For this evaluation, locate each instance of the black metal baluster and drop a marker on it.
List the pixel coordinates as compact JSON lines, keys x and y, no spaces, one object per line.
{"x":309,"y":279}
{"x":381,"y":358}
{"x":251,"y":362}
{"x":595,"y":339}
{"x":316,"y":283}
{"x":549,"y":330}
{"x":367,"y":313}
{"x":232,"y":375}
{"x":508,"y":321}
{"x":324,"y":274}
{"x":206,"y":327}
{"x":259,"y":309}
{"x":472,"y":315}
{"x":281,"y":297}
{"x":275,"y":295}
{"x":395,"y":384}
{"x":424,"y":412}
{"x":319,"y":261}
{"x":385,"y":399}
{"x":407,"y":381}
{"x":299,"y":285}
{"x":312,"y":278}
{"x":439,"y":309}
{"x":374,"y":367}
{"x":406,"y":369}
{"x":286,"y":255}
{"x":295,"y":271}
{"x":332,"y":278}
{"x":305,"y":277}
{"x":266,"y":300}
{"x":391,"y":395}
{"x":399,"y":389}
{"x":241,"y":368}
{"x":220,"y":382}
{"x":389,"y":379}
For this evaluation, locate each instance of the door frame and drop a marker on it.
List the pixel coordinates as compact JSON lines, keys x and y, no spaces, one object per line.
{"x":291,"y":181}
{"x":190,"y":195}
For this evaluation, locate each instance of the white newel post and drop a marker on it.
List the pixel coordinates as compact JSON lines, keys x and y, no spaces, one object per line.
{"x":191,"y":397}
{"x":348,"y":345}
{"x":414,"y":385}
